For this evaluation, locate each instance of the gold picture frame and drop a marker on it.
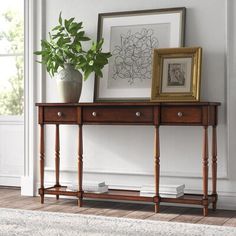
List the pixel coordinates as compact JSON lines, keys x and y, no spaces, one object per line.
{"x":176,"y":74}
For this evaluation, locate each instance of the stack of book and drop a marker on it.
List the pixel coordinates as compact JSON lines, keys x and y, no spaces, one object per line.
{"x":165,"y":191}
{"x":91,"y":186}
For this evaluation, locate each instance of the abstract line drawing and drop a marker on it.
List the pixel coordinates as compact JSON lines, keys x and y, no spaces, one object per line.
{"x":133,"y":57}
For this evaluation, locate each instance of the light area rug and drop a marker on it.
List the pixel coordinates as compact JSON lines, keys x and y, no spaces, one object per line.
{"x":24,"y":222}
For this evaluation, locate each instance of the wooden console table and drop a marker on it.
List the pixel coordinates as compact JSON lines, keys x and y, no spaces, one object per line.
{"x":140,"y":113}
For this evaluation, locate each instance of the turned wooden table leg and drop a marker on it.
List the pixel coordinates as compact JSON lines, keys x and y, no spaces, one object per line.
{"x":80,"y":167}
{"x":41,"y":190}
{"x":57,"y":158}
{"x":157,"y":168}
{"x":205,"y":171}
{"x":214,"y":166}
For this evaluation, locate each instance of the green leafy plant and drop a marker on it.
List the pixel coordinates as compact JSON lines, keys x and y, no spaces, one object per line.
{"x":65,"y":47}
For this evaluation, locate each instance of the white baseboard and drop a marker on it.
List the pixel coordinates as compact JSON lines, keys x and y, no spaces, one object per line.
{"x":226,"y":202}
{"x":10,"y":180}
{"x":26,"y":186}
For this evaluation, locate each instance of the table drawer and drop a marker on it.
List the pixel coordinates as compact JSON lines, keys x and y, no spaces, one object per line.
{"x":118,"y":115}
{"x":60,"y":114}
{"x":181,"y":115}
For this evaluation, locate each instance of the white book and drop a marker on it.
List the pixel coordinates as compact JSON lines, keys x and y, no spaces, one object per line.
{"x":95,"y":189}
{"x":163,"y":188}
{"x":102,"y":189}
{"x":172,"y":195}
{"x":162,"y":195}
{"x":161,"y":191}
{"x":90,"y":184}
{"x":94,"y":183}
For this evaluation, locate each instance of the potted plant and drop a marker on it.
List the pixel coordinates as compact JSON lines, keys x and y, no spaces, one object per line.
{"x":63,"y":54}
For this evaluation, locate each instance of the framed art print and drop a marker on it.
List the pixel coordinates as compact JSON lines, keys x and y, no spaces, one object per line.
{"x":176,"y":74}
{"x":131,"y":38}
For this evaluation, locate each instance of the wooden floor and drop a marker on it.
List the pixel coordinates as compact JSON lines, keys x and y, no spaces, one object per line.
{"x":10,"y":198}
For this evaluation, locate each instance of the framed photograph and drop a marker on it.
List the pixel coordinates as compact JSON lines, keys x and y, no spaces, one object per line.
{"x":176,"y":74}
{"x":131,"y":38}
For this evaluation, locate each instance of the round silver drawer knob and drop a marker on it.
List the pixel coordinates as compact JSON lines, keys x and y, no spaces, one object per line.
{"x":138,"y":114}
{"x":180,"y":114}
{"x":59,"y":114}
{"x":94,"y":114}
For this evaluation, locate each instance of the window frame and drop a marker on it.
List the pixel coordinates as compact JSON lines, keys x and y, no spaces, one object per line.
{"x":9,"y":119}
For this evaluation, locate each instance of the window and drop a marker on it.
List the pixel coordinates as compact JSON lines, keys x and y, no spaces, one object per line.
{"x":12,"y":57}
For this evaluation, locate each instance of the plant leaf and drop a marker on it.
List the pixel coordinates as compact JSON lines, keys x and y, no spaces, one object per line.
{"x":56,"y":28}
{"x":60,"y":19}
{"x":99,"y":44}
{"x":87,"y":72}
{"x":71,"y":20}
{"x":66,"y":22}
{"x":80,"y":34}
{"x":78,"y":47}
{"x":83,"y":38}
{"x":98,"y":73}
{"x":38,"y":53}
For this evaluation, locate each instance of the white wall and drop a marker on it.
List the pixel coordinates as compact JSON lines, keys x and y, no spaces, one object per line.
{"x":123,"y":156}
{"x":11,"y":150}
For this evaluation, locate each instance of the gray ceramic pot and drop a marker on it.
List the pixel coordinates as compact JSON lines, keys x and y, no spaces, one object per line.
{"x":69,"y":84}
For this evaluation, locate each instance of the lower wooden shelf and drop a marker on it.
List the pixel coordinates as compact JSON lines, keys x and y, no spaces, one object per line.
{"x":130,"y":195}
{"x":194,"y":199}
{"x":63,"y":190}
